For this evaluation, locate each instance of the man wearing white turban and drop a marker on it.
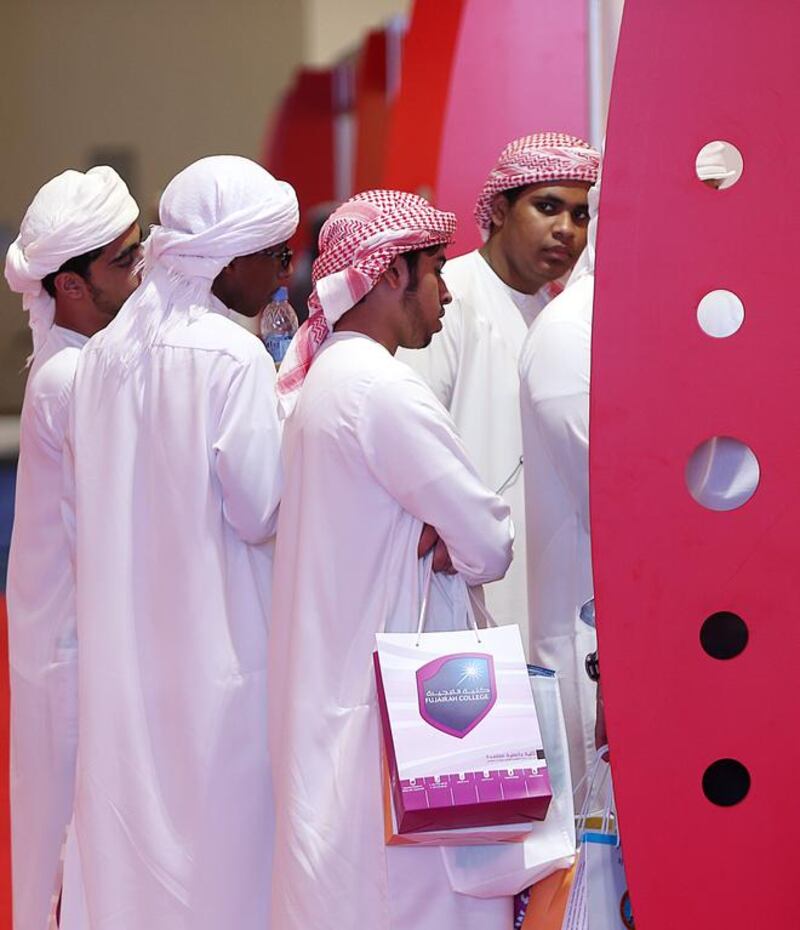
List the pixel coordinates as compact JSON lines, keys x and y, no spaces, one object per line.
{"x":175,"y":438}
{"x":532,"y":214}
{"x":74,"y":264}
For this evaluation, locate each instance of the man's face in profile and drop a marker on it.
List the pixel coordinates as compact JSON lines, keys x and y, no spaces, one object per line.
{"x":115,"y":274}
{"x":249,"y":282}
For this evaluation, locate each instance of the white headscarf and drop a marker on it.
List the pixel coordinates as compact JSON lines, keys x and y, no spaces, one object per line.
{"x":217,"y":209}
{"x":72,"y":214}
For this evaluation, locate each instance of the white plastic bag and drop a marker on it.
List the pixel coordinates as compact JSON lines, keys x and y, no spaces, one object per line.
{"x":599,"y":895}
{"x":606,"y":886}
{"x":493,"y":871}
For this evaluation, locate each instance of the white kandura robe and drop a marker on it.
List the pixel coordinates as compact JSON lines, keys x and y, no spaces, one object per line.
{"x":554,"y":396}
{"x":43,"y":651}
{"x":177,"y":483}
{"x":471,"y":365}
{"x":369,"y":455}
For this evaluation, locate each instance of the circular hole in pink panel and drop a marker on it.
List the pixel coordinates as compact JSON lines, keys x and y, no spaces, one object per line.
{"x":726,"y":782}
{"x":724,"y":635}
{"x":722,"y":473}
{"x":720,"y":314}
{"x":719,"y":164}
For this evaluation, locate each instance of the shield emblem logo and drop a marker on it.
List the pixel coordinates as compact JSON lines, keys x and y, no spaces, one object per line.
{"x":456,"y":692}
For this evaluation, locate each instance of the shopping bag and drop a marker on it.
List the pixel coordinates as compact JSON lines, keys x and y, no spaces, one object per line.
{"x":460,"y":731}
{"x":607,"y":899}
{"x":549,"y":846}
{"x":599,"y":898}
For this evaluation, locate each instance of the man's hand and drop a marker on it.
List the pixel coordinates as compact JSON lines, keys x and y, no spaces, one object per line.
{"x":427,"y":540}
{"x":430,"y":539}
{"x":441,"y":559}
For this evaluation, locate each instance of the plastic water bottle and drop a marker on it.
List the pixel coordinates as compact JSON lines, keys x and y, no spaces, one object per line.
{"x":278,"y":325}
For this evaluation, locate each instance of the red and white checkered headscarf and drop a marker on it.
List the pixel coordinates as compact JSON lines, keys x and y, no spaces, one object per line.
{"x":545,"y":157}
{"x":357,"y":244}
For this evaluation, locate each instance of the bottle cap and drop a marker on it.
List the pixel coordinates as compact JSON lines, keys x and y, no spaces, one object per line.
{"x":281,"y":294}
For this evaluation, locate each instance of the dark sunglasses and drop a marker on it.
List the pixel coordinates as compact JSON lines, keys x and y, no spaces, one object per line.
{"x":284,"y":255}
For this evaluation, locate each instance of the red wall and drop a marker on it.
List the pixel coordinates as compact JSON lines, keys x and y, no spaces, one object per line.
{"x":371,"y":112}
{"x":299,"y":145}
{"x":417,"y":117}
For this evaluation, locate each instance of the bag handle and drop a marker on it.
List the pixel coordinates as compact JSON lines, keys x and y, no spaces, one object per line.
{"x":427,"y":578}
{"x":475,"y":602}
{"x":609,"y":807}
{"x":593,"y":779}
{"x":589,"y":779}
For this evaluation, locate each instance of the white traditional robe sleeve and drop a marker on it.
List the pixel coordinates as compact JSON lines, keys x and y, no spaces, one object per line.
{"x":43,"y":649}
{"x":250,"y":482}
{"x":176,"y":488}
{"x":554,"y":397}
{"x":369,"y":456}
{"x":410,"y":448}
{"x":472,"y":368}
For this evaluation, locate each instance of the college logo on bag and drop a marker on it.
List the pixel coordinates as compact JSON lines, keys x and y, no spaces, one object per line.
{"x":456,"y":692}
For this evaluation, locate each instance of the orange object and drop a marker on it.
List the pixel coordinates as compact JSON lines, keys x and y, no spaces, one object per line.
{"x":549,"y":901}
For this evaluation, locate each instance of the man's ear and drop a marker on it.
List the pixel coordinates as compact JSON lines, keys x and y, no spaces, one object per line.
{"x":396,"y":275}
{"x":500,"y":210}
{"x":70,"y":285}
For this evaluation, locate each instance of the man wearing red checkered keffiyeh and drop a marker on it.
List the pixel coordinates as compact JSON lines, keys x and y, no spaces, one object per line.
{"x":374,"y":474}
{"x":543,"y":158}
{"x":533,"y":214}
{"x":358,"y":244}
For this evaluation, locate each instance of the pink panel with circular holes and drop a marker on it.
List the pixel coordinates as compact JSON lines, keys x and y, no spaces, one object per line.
{"x":688,"y":72}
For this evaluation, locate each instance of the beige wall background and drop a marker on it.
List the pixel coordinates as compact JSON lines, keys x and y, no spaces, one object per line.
{"x":332,"y":27}
{"x":157,"y":82}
